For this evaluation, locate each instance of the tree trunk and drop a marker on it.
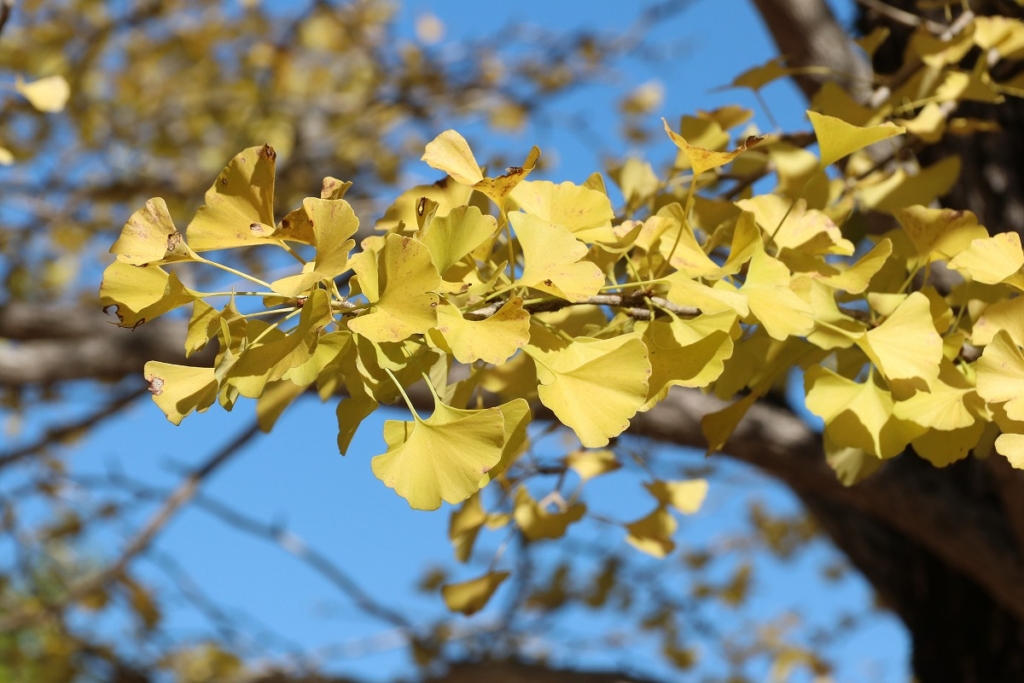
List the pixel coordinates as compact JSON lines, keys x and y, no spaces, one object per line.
{"x":959,"y":628}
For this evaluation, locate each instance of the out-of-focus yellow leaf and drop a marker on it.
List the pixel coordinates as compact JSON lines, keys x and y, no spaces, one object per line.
{"x":48,"y":94}
{"x":1012,"y":447}
{"x":686,"y":496}
{"x":464,"y":525}
{"x":705,"y":159}
{"x":653,"y":534}
{"x":591,"y":464}
{"x":469,"y":597}
{"x":537,"y":523}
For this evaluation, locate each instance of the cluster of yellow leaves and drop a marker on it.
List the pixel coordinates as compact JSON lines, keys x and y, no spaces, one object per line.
{"x":494,"y":292}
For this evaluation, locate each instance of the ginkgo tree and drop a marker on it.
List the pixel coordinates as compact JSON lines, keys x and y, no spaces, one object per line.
{"x":504,"y":295}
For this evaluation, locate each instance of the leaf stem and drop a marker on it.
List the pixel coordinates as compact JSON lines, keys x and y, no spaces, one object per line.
{"x":405,"y":396}
{"x":238,"y":273}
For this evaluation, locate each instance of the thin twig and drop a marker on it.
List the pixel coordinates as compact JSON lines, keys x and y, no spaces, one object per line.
{"x":6,"y":6}
{"x":632,"y":303}
{"x":56,"y":434}
{"x":178,"y":498}
{"x":902,"y":16}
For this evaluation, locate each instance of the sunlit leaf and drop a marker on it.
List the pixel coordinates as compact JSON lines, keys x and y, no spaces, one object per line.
{"x":653,"y":534}
{"x":141,"y":294}
{"x":149,"y":236}
{"x":553,"y":259}
{"x":991,"y":260}
{"x":906,"y":346}
{"x":591,"y":464}
{"x":333,"y":223}
{"x":705,"y":159}
{"x":449,"y":152}
{"x":48,"y":94}
{"x":452,"y":237}
{"x":493,"y":339}
{"x":537,"y":523}
{"x":1001,"y":375}
{"x":179,"y":389}
{"x":571,"y":206}
{"x":686,"y":496}
{"x":773,"y":302}
{"x":594,"y":386}
{"x":837,"y":138}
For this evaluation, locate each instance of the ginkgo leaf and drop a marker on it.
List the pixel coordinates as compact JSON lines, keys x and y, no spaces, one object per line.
{"x":574,"y":207}
{"x":685,"y":291}
{"x":333,"y":224}
{"x":906,"y":346}
{"x":139,"y":294}
{"x":48,"y":94}
{"x":469,"y":597}
{"x":855,"y":278}
{"x":464,"y":525}
{"x":760,"y":76}
{"x":1012,"y":447}
{"x":679,"y":245}
{"x":537,"y":523}
{"x":276,"y":398}
{"x":653,"y":534}
{"x":297,"y":226}
{"x":6,"y":157}
{"x":945,"y":447}
{"x":552,"y":259}
{"x":350,"y":414}
{"x":594,"y":386}
{"x":449,"y":152}
{"x":892,"y":191}
{"x":406,"y":280}
{"x":442,"y":457}
{"x":239,"y":208}
{"x":261,"y":363}
{"x":493,"y":339}
{"x":517,"y":418}
{"x":150,"y":237}
{"x":686,"y":496}
{"x":796,"y":227}
{"x":591,"y":464}
{"x":1001,"y":375}
{"x":1003,"y":315}
{"x":851,"y":465}
{"x":940,"y":233}
{"x":705,"y":159}
{"x":452,"y":237}
{"x":179,"y":389}
{"x":857,"y":415}
{"x":772,"y":300}
{"x":950,"y":403}
{"x":718,"y":427}
{"x":404,"y":215}
{"x":675,"y":363}
{"x":837,"y":138}
{"x":990,"y":260}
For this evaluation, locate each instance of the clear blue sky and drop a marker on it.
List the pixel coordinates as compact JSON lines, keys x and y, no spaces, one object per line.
{"x":296,"y":477}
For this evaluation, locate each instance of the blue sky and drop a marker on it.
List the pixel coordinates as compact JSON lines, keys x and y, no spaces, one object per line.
{"x":295,"y":477}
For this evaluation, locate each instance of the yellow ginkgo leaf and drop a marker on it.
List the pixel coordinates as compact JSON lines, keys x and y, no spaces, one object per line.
{"x":574,"y":207}
{"x":940,"y":233}
{"x":851,"y":465}
{"x":653,"y":534}
{"x":441,"y":458}
{"x":552,"y":259}
{"x":686,"y":496}
{"x":760,"y":76}
{"x":893,"y":191}
{"x":945,"y":447}
{"x":6,"y":157}
{"x":796,"y":227}
{"x":1012,"y":447}
{"x":499,"y":188}
{"x":676,"y":363}
{"x":705,"y":159}
{"x":857,"y":415}
{"x":517,"y":418}
{"x":333,"y":224}
{"x":990,"y":260}
{"x":48,"y":94}
{"x":400,"y":281}
{"x":350,"y":414}
{"x":837,"y":138}
{"x":591,"y":464}
{"x":276,"y":398}
{"x":537,"y":523}
{"x":950,"y":404}
{"x":906,"y":346}
{"x":269,"y":361}
{"x":464,"y":525}
{"x":685,"y":291}
{"x":404,"y":215}
{"x":139,"y":294}
{"x":680,"y":247}
{"x":929,"y":125}
{"x":772,"y":300}
{"x":239,"y":208}
{"x":297,"y":226}
{"x":449,"y":152}
{"x":150,"y":237}
{"x":469,"y":597}
{"x":1002,"y":315}
{"x":492,"y":340}
{"x":179,"y":389}
{"x":718,"y":427}
{"x":855,"y":278}
{"x":454,"y":236}
{"x":594,"y":386}
{"x":1001,"y":375}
